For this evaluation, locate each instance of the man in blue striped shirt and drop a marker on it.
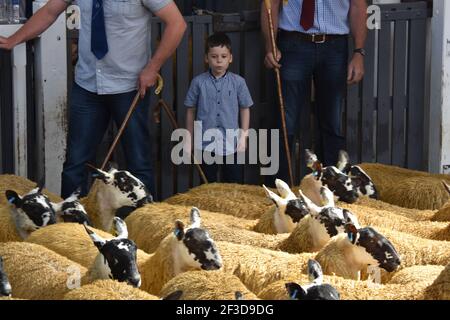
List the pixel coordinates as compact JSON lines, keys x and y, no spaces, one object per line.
{"x":312,"y":45}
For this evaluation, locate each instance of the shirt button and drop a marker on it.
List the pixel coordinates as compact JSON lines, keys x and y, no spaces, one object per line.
{"x":218,"y":90}
{"x":218,"y":114}
{"x":218,"y":102}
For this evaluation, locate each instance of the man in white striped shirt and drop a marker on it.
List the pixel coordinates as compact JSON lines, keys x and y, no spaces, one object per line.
{"x":312,"y":45}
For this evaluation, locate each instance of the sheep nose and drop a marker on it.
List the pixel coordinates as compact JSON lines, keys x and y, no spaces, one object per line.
{"x":135,"y":281}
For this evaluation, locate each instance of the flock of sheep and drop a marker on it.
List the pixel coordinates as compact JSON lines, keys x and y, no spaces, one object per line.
{"x":330,"y":238}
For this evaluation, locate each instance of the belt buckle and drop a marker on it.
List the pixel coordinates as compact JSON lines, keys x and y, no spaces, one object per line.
{"x":318,"y":41}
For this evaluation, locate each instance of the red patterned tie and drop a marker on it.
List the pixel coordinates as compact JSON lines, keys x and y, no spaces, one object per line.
{"x":307,"y":17}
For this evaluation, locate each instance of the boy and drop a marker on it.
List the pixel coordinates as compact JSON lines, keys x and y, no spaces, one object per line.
{"x":216,"y":99}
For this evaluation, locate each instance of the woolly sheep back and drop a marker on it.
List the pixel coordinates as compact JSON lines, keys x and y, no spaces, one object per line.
{"x":108,"y":290}
{"x":8,"y":230}
{"x":36,"y":272}
{"x":207,"y":285}
{"x":442,"y":214}
{"x":440,"y":288}
{"x":417,"y":274}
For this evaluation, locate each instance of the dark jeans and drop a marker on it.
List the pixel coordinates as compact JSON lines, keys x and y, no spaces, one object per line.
{"x":231,"y":173}
{"x":325,"y":64}
{"x":89,"y":116}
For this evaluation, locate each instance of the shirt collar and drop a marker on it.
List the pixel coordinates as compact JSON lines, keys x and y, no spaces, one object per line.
{"x":214,"y":78}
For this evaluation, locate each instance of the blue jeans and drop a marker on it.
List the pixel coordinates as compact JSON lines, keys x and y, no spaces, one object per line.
{"x":325,"y":64}
{"x":89,"y":117}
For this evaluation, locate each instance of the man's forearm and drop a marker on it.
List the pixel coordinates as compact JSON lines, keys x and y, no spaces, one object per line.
{"x":265,"y":22}
{"x":245,"y":119}
{"x":358,"y":22}
{"x":170,"y":40}
{"x":39,"y":22}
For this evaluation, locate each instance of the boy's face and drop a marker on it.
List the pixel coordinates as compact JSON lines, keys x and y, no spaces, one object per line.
{"x":219,"y":59}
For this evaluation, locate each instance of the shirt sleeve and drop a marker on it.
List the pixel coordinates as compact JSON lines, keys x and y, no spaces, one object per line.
{"x":155,"y":5}
{"x":244,"y":96}
{"x":191,"y":100}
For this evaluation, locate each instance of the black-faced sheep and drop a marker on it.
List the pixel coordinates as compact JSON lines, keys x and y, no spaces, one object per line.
{"x":333,"y":178}
{"x":360,"y":179}
{"x":316,"y":290}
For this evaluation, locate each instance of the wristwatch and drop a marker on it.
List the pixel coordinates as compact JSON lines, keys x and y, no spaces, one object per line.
{"x":361,"y":51}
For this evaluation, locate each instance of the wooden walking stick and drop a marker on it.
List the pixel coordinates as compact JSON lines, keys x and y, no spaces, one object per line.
{"x":172,"y":119}
{"x":127,"y":118}
{"x":268,"y":5}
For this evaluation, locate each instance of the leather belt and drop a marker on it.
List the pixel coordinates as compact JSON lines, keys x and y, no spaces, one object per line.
{"x":315,"y":38}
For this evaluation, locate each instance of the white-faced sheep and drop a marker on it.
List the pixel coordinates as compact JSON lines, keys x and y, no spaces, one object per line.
{"x":207,"y":285}
{"x":110,"y":258}
{"x":114,"y":193}
{"x":5,"y":286}
{"x":185,"y":249}
{"x":29,"y":212}
{"x":345,"y":255}
{"x":316,"y":290}
{"x":333,"y":178}
{"x":288,"y":211}
{"x":360,"y":179}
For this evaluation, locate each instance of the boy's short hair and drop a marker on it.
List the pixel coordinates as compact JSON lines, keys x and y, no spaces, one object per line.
{"x":219,"y":39}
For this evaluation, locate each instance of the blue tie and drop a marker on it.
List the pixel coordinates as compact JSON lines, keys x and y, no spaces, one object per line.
{"x":99,"y":43}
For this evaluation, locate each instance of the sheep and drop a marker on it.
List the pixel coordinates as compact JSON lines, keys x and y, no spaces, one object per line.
{"x":21,"y":185}
{"x":149,"y":225}
{"x":185,"y":249}
{"x":395,"y":186}
{"x":440,"y":288}
{"x":338,"y":182}
{"x":107,"y":257}
{"x":108,"y":290}
{"x":36,"y":272}
{"x":443,"y":214}
{"x":345,"y":255}
{"x":316,"y":290}
{"x":356,"y":290}
{"x":239,"y":192}
{"x":416,"y":274}
{"x":221,"y":203}
{"x":5,"y":286}
{"x":360,"y":179}
{"x":207,"y":285}
{"x":30,"y":212}
{"x":289,"y":210}
{"x":114,"y":193}
{"x":71,"y":210}
{"x":383,"y":218}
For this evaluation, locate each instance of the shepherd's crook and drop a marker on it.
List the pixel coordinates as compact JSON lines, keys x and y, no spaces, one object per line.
{"x":127,"y":118}
{"x":172,"y":119}
{"x":268,"y":5}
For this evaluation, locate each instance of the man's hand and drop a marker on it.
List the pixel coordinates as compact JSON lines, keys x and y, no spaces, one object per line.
{"x":242,"y":143}
{"x":355,"y":69}
{"x":147,"y":79}
{"x":6,"y":43}
{"x":270,"y":61}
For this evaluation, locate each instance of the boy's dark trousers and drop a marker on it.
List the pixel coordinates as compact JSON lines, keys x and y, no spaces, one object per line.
{"x":230,"y":173}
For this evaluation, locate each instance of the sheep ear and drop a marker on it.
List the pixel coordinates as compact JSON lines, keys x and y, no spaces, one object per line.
{"x":238,"y":295}
{"x":283,"y":189}
{"x":179,"y":230}
{"x":13,"y":198}
{"x":343,"y":160}
{"x":40,"y":185}
{"x":312,"y":161}
{"x":352,"y":232}
{"x":174,"y":295}
{"x":111,"y":166}
{"x":99,"y":242}
{"x":315,"y":272}
{"x":295,"y":291}
{"x":446,"y":186}
{"x":274,"y":197}
{"x":99,"y":174}
{"x":120,"y":228}
{"x":76,"y":194}
{"x":195,"y":218}
{"x":327,"y":197}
